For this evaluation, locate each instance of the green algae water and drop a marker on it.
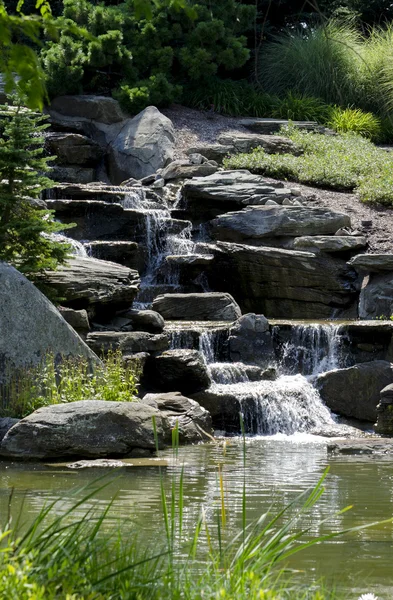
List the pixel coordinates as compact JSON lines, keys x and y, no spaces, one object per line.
{"x":277,"y":469}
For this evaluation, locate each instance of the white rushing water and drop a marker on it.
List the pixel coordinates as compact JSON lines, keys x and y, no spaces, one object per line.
{"x":288,"y":404}
{"x":77,"y":248}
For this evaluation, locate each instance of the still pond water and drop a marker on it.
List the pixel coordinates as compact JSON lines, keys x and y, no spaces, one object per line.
{"x":277,"y":470}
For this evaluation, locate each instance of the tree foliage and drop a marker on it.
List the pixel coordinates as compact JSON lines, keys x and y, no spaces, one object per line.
{"x":25,"y":227}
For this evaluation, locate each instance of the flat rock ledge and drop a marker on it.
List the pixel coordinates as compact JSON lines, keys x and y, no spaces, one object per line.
{"x":361,"y":446}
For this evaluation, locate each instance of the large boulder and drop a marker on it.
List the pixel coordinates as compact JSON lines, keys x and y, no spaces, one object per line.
{"x":127,"y":342}
{"x":194,"y":421}
{"x":209,"y":306}
{"x":93,"y":108}
{"x":143,"y":145}
{"x":250,"y":341}
{"x":94,"y":284}
{"x":90,"y":428}
{"x":256,"y":223}
{"x":372,"y":263}
{"x":284,"y":283}
{"x":376,"y":297}
{"x":73,"y":148}
{"x":182,"y":169}
{"x":145,"y":320}
{"x":183,"y":370}
{"x":31,"y":326}
{"x":355,"y":391}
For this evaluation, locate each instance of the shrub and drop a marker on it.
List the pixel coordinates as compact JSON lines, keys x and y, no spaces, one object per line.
{"x":298,"y":107}
{"x":70,"y":380}
{"x":228,"y":97}
{"x":344,"y":120}
{"x":344,"y":162}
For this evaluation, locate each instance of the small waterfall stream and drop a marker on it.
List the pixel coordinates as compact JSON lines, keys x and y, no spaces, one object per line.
{"x":288,"y":404}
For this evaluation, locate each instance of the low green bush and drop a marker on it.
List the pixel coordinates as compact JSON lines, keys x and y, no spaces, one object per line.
{"x":298,"y":107}
{"x":344,"y":120}
{"x":343,"y":162}
{"x":70,"y":380}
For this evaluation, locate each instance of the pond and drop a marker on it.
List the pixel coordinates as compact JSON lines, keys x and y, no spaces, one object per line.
{"x":277,"y":469}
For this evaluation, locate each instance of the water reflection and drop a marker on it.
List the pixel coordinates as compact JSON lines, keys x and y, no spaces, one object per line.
{"x":277,"y":469}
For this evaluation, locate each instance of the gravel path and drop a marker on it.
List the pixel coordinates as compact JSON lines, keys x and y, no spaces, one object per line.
{"x":195,"y":127}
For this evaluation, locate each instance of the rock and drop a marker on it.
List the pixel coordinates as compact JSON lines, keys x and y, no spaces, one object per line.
{"x":354,"y":392}
{"x":5,"y":425}
{"x":196,"y":158}
{"x":98,"y":463}
{"x":284,"y":283}
{"x":259,"y":222}
{"x":216,"y":152}
{"x":183,"y":370}
{"x":145,"y":320}
{"x":90,"y":428}
{"x":78,"y":319}
{"x":272,"y":144}
{"x":93,"y":108}
{"x":73,"y":148}
{"x":209,"y":306}
{"x":250,"y":341}
{"x":223,"y":191}
{"x":269,"y":126}
{"x":376,"y":297}
{"x":32,"y":324}
{"x":128,"y":254}
{"x":372,"y":263}
{"x":195,"y":422}
{"x":269,"y":202}
{"x":330,"y":244}
{"x":71,"y":174}
{"x":94,"y":284}
{"x":361,"y":446}
{"x":159,"y":183}
{"x":127,"y":342}
{"x":384,"y":424}
{"x":143,"y":145}
{"x":181,"y":169}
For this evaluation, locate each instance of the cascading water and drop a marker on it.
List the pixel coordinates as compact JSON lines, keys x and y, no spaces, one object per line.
{"x":288,"y":404}
{"x":77,"y":248}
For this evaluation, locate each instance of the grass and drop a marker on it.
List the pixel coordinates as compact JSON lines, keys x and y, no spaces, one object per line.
{"x":344,"y":162}
{"x":69,"y":380}
{"x":344,"y":120}
{"x":63,"y":555}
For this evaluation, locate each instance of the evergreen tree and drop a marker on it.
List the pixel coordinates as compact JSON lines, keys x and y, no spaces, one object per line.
{"x":25,"y":227}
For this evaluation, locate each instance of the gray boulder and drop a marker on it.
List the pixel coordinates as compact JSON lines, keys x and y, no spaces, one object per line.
{"x":330,"y":243}
{"x":143,"y":145}
{"x":182,"y":169}
{"x":93,"y":108}
{"x":194,"y":421}
{"x":90,"y":428}
{"x":94,"y":284}
{"x":145,"y":320}
{"x":73,"y":174}
{"x":209,"y":306}
{"x":183,"y":370}
{"x":250,"y":341}
{"x":376,"y":297}
{"x":284,"y":283}
{"x":127,"y":342}
{"x":384,"y":424}
{"x":216,"y":152}
{"x":73,"y":148}
{"x":372,"y":263}
{"x":78,"y":319}
{"x":259,"y":222}
{"x":272,"y":144}
{"x":355,"y":391}
{"x":31,"y":326}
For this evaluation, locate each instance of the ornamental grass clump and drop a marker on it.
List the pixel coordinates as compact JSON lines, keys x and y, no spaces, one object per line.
{"x":68,"y":380}
{"x":344,"y":120}
{"x":346,"y":162}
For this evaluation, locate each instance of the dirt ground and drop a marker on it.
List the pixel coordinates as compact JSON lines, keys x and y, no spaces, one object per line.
{"x":194,"y":127}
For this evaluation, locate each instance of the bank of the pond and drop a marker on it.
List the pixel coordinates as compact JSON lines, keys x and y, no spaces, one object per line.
{"x":277,"y":470}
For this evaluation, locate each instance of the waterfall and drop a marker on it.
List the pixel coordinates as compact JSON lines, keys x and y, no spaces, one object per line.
{"x":77,"y":248}
{"x":311,"y":349}
{"x":290,"y":403}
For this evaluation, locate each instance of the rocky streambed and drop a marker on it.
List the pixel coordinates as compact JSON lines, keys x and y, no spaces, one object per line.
{"x":232,"y":293}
